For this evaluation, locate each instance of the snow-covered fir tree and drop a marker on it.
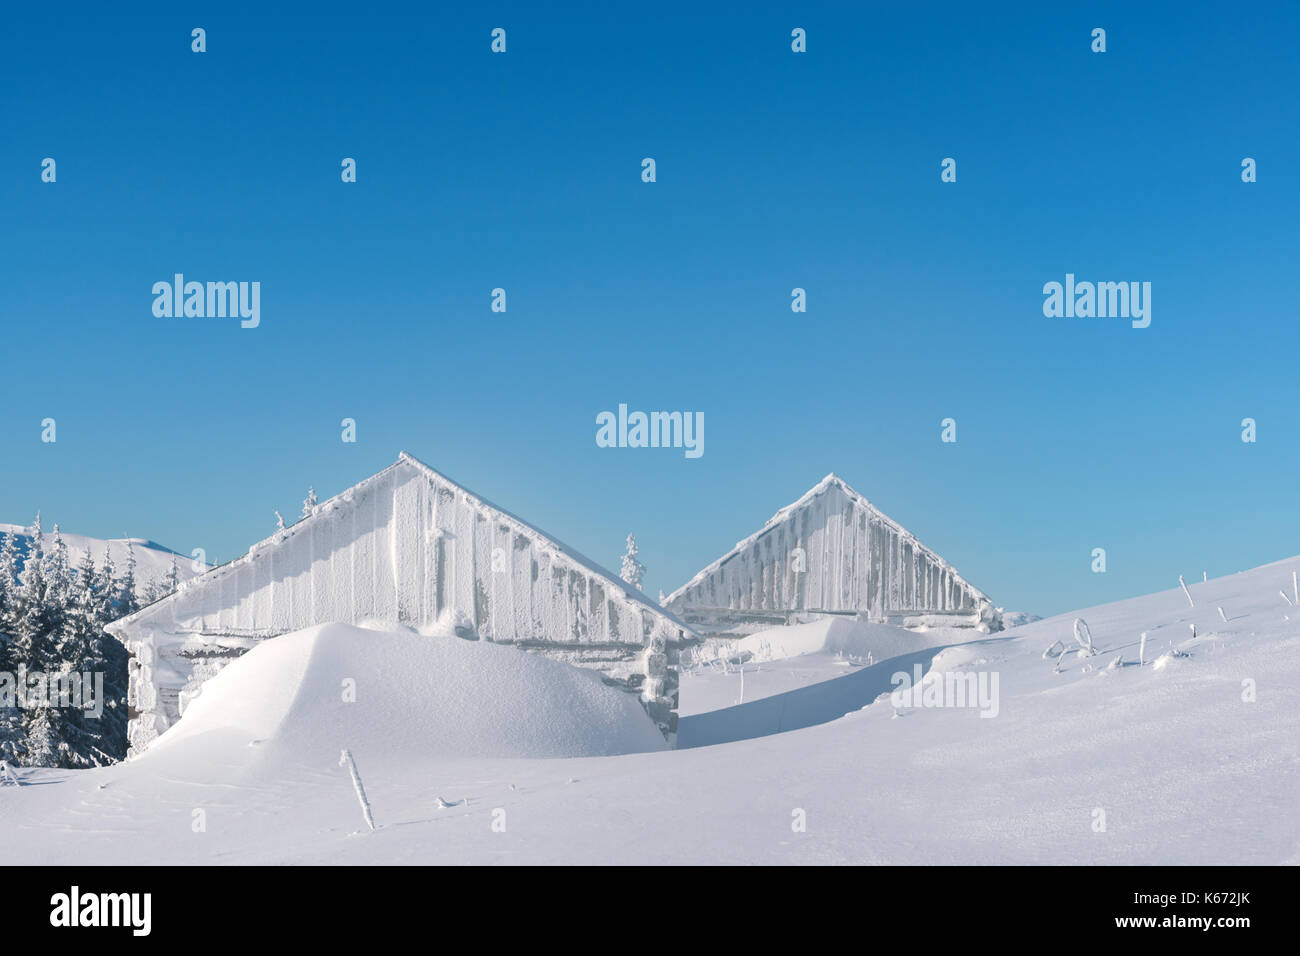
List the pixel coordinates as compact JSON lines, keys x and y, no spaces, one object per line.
{"x":633,"y":570}
{"x":309,"y":502}
{"x":11,"y":725}
{"x":52,"y":620}
{"x":8,"y":579}
{"x":127,"y":600}
{"x":37,"y":617}
{"x":159,"y":588}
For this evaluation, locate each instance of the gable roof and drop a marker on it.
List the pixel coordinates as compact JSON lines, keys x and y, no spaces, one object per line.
{"x":785,"y":514}
{"x":322,"y":510}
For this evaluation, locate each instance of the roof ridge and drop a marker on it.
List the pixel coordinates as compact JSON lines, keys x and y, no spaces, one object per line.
{"x":404,"y":458}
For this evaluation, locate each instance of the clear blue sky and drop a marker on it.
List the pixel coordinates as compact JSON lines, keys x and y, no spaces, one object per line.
{"x":775,"y":170}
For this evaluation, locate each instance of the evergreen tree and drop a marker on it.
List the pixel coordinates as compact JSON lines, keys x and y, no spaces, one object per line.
{"x":8,"y":582}
{"x":11,"y":724}
{"x":104,"y":738}
{"x":82,"y":623}
{"x":58,"y":616}
{"x":40,"y":745}
{"x":308,"y":503}
{"x":104,"y":591}
{"x":633,"y":570}
{"x":41,"y":642}
{"x":59,"y":589}
{"x":127,"y":601}
{"x":36,"y":619}
{"x":159,"y":588}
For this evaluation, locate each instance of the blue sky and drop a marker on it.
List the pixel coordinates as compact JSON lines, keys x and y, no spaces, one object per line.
{"x":775,"y":170}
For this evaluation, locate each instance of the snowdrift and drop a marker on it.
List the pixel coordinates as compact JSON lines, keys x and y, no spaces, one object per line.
{"x":305,"y":696}
{"x":843,"y":636}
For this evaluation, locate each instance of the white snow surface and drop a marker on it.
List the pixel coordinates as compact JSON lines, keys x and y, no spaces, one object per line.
{"x":1192,"y":758}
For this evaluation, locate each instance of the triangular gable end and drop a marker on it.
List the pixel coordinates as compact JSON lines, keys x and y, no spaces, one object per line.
{"x":829,"y":552}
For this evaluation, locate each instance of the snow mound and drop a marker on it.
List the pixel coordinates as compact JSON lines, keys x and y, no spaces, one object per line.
{"x":957,"y":658}
{"x":839,"y":635}
{"x":402,"y":696}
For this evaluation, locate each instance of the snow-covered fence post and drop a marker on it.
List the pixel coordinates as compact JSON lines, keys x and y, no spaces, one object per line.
{"x":742,"y":683}
{"x":7,"y":775}
{"x":1295,"y":587}
{"x":1185,"y":591}
{"x":1285,"y":598}
{"x":345,"y":760}
{"x":1142,"y":649}
{"x":1223,"y":616}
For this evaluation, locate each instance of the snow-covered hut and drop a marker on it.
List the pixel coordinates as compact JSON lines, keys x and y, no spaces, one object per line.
{"x":830,"y":552}
{"x":406,"y":545}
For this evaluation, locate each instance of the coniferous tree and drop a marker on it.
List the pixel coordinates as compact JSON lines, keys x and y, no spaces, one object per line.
{"x":35,"y":621}
{"x":41,"y":612}
{"x":81,"y":624}
{"x":8,"y":581}
{"x":104,"y":654}
{"x":11,"y":725}
{"x":632,"y":570}
{"x":104,"y":592}
{"x":40,"y":745}
{"x":52,"y":620}
{"x":308,"y":503}
{"x":127,"y":600}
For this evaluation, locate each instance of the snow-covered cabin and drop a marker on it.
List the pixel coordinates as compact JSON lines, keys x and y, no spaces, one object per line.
{"x":830,"y":552}
{"x":406,"y":545}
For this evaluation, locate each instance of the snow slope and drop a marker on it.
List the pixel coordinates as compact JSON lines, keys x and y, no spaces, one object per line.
{"x":1186,"y":759}
{"x":153,"y":561}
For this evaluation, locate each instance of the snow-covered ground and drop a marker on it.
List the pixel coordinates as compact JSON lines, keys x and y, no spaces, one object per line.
{"x":1192,"y":757}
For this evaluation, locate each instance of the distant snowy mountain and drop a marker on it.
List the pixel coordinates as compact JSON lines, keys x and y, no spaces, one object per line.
{"x":153,"y":562}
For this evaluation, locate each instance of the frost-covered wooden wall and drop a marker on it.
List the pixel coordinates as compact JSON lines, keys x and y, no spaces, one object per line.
{"x":407,"y":545}
{"x":830,"y":551}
